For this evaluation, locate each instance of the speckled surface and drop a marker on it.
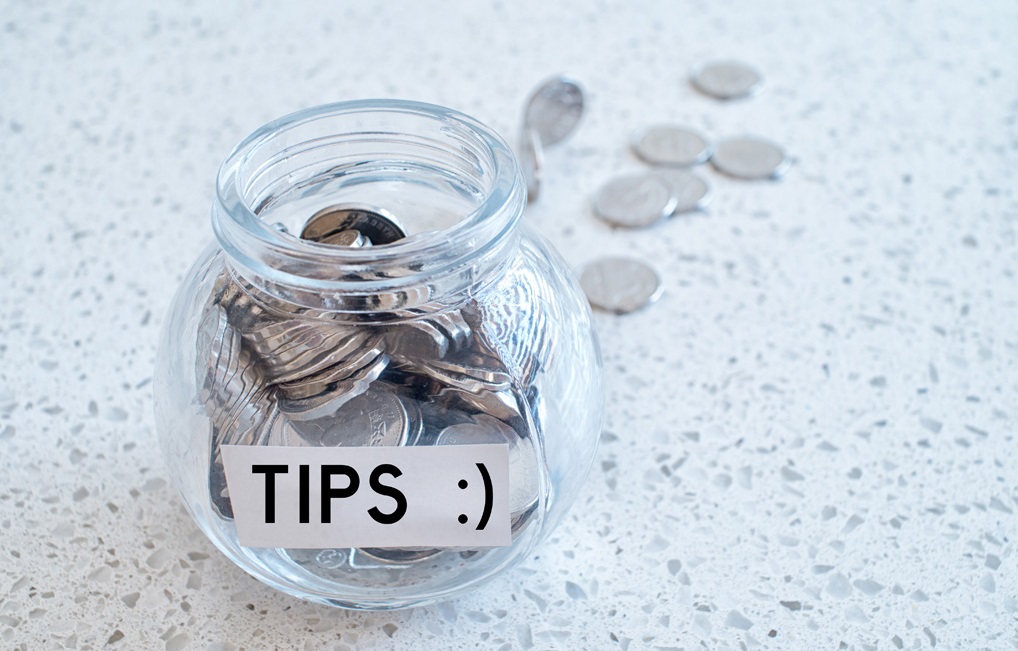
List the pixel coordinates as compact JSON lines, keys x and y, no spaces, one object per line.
{"x":810,"y":438}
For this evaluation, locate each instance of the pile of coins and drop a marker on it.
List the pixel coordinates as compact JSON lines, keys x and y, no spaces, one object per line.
{"x":274,"y":373}
{"x":646,"y":199}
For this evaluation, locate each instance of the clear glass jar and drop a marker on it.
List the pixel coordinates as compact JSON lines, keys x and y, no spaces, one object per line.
{"x":469,"y":327}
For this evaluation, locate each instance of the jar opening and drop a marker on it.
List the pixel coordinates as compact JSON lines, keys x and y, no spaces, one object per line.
{"x":451,"y":182}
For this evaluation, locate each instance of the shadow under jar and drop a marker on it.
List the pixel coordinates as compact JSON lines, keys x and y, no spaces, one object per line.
{"x":470,"y":329}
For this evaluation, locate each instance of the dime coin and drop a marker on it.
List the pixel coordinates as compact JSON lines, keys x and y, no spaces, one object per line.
{"x":620,"y":285}
{"x":748,"y":157}
{"x":691,"y":192}
{"x":671,"y":145}
{"x":726,"y":79}
{"x":634,"y":201}
{"x":554,"y":110}
{"x":330,"y":224}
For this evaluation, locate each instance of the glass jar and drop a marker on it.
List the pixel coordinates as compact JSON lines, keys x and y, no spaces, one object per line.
{"x":469,"y":329}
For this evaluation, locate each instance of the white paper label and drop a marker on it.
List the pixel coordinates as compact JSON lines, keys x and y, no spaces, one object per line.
{"x":313,"y":498}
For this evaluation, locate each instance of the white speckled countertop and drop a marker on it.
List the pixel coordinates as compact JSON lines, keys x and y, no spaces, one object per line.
{"x":810,"y":439}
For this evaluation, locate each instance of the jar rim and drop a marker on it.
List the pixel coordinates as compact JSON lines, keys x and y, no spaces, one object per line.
{"x":285,"y":260}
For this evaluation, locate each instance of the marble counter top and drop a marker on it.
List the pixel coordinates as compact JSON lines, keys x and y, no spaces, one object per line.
{"x":810,"y":439}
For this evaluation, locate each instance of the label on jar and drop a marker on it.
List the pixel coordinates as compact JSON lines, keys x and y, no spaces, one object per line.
{"x":411,"y":496}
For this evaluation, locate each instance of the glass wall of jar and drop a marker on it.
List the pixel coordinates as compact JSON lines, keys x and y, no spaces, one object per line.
{"x":371,"y":284}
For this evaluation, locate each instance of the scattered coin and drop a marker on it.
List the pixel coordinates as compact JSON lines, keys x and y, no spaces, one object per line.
{"x":331,"y":225}
{"x":523,"y":465}
{"x":671,"y":146}
{"x":374,"y":418}
{"x":554,"y":110}
{"x":531,"y":162}
{"x":620,"y":285}
{"x":726,"y":79}
{"x":691,"y":192}
{"x":634,"y":201}
{"x":750,"y":158}
{"x":352,"y":238}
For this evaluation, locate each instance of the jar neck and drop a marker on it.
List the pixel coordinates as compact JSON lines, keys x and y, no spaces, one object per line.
{"x":453,"y":184}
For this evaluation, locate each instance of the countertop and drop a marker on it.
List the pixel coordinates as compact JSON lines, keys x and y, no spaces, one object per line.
{"x":810,"y":439}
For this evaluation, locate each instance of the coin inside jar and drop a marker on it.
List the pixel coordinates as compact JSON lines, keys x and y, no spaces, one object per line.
{"x":726,"y":79}
{"x":620,"y":285}
{"x":375,"y":418}
{"x":531,"y":162}
{"x":691,"y":192}
{"x":333,"y":225}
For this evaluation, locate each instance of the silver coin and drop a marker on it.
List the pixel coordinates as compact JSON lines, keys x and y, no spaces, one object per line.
{"x":726,"y":79}
{"x":329,"y":224}
{"x":670,"y":145}
{"x":351,"y":238}
{"x":374,"y":418}
{"x":554,"y":109}
{"x":634,"y":201}
{"x":322,"y":394}
{"x":748,"y":157}
{"x":523,"y":465}
{"x":390,"y":557}
{"x":431,"y":337}
{"x":620,"y":285}
{"x":291,"y":350}
{"x":531,"y":162}
{"x":691,"y":192}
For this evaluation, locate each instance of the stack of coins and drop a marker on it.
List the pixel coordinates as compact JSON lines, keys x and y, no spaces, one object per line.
{"x":273,"y":373}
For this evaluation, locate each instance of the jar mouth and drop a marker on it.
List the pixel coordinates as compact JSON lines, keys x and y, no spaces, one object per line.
{"x":456,"y":181}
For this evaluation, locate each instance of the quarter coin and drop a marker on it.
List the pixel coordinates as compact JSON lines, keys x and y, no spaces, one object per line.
{"x":726,"y":79}
{"x":749,"y":157}
{"x":671,"y":146}
{"x":635,"y":201}
{"x":620,"y":285}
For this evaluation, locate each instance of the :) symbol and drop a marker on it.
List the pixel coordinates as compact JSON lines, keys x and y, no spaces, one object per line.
{"x":486,"y":478}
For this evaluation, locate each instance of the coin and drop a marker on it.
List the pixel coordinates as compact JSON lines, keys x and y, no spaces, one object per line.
{"x":726,"y":79}
{"x":671,"y":145}
{"x":691,"y":192}
{"x":376,"y":418}
{"x":323,"y":393}
{"x":554,"y":109}
{"x":523,"y":466}
{"x":293,"y":349}
{"x":634,"y":201}
{"x":430,"y":337}
{"x":749,"y":157}
{"x":352,"y":238}
{"x":392,"y":556}
{"x":531,"y":162}
{"x":330,"y":224}
{"x":620,"y":285}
